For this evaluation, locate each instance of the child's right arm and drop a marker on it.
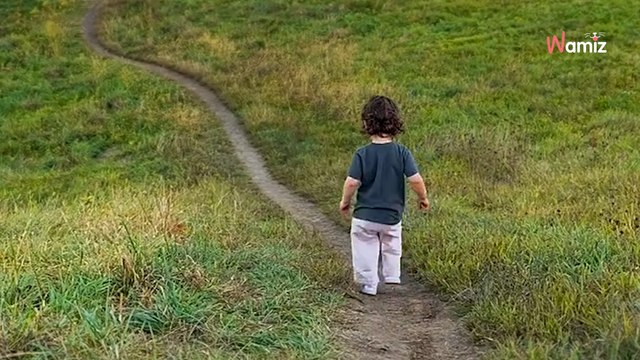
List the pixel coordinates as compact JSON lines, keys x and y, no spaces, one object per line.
{"x":417,"y":185}
{"x":415,"y":180}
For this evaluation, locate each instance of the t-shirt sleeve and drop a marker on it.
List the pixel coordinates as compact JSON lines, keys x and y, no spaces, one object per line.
{"x":355,"y":170}
{"x":410,"y":166}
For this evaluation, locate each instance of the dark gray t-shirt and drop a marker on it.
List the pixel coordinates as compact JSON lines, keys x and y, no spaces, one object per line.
{"x":381,"y":168}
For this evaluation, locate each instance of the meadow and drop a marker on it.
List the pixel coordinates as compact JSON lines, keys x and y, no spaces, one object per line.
{"x":531,"y":158}
{"x":127,"y":228}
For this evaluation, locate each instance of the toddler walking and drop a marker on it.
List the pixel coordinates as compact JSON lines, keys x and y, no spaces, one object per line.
{"x":378,"y":171}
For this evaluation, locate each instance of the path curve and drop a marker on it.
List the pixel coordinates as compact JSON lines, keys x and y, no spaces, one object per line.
{"x":406,"y":322}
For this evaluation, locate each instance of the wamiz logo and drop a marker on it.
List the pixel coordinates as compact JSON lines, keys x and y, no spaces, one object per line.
{"x":595,"y":46}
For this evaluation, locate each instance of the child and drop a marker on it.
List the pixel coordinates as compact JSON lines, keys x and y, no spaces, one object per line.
{"x":378,"y":172}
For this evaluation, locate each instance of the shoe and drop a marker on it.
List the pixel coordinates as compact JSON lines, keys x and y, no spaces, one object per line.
{"x":392,"y":281}
{"x":369,"y":290}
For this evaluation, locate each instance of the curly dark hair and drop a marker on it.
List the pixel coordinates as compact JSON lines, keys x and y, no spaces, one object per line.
{"x":381,"y":116}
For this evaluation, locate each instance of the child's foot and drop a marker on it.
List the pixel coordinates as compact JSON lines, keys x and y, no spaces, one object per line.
{"x":392,"y":281}
{"x":369,"y":290}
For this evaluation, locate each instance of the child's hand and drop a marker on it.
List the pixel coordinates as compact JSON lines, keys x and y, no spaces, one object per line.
{"x":423,"y":204}
{"x":344,"y":208}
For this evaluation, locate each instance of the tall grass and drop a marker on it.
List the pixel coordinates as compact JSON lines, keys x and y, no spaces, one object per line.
{"x":531,"y":157}
{"x":126,"y":228}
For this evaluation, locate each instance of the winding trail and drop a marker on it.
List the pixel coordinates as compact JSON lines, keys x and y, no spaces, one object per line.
{"x":403,"y":322}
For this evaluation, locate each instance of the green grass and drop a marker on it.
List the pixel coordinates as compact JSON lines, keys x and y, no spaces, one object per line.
{"x":532,"y":158}
{"x":126,"y":228}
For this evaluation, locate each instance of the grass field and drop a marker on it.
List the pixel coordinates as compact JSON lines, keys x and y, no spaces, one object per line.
{"x":127,"y":229}
{"x":532,"y":158}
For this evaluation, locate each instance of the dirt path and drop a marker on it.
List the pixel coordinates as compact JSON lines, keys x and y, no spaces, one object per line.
{"x":405,"y":322}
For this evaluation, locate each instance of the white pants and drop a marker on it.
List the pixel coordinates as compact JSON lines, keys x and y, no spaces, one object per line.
{"x":371,"y":241}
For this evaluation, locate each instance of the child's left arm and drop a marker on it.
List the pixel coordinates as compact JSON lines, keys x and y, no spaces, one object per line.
{"x":351,"y":184}
{"x":349,"y":188}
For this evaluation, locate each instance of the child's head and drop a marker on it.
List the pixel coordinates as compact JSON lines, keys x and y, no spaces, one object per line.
{"x":380,"y":116}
